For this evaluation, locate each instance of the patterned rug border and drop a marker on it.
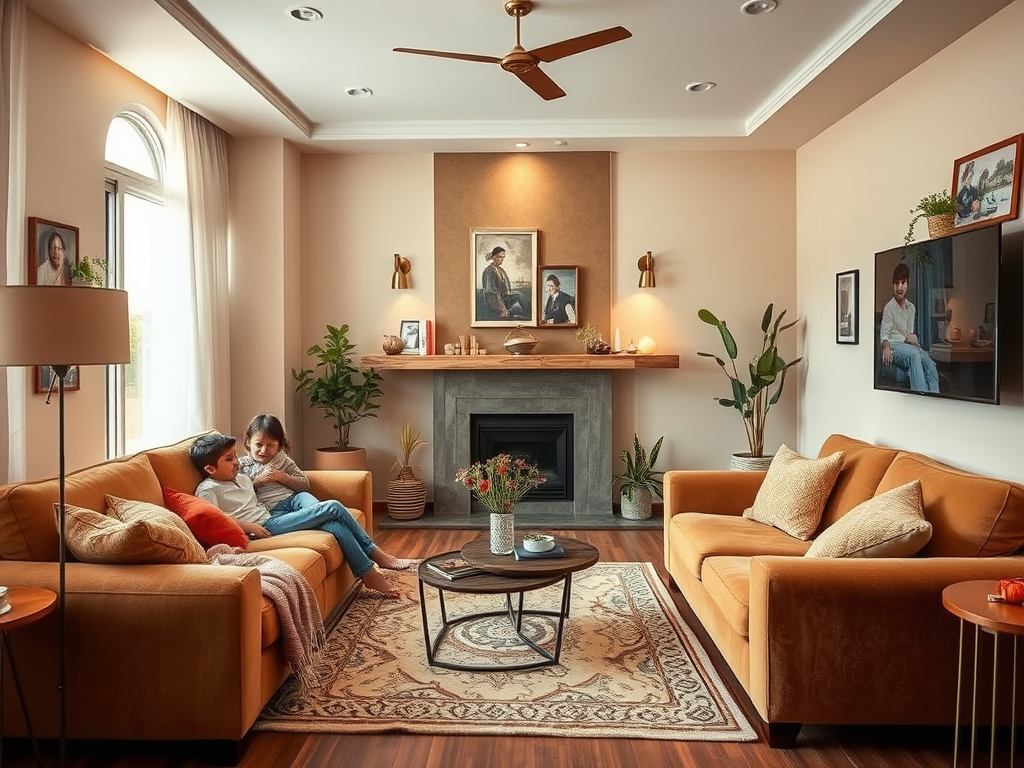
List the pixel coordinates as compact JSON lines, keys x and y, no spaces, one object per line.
{"x":736,"y":727}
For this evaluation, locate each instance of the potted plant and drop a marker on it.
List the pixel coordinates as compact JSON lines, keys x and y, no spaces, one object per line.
{"x":767,"y":372}
{"x":343,"y":392}
{"x":639,"y":482}
{"x":937,"y":204}
{"x":89,"y":271}
{"x":407,"y":494}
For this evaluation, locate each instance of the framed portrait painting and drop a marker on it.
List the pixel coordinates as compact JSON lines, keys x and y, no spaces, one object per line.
{"x":986,"y":184}
{"x":847,"y":302}
{"x":559,"y":295}
{"x":44,"y":378}
{"x":52,"y":252}
{"x":503,"y":264}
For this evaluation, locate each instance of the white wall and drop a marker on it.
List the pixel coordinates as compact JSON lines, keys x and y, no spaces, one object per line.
{"x":856,"y":183}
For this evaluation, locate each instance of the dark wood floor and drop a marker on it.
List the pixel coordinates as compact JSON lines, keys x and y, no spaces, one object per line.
{"x":846,"y":747}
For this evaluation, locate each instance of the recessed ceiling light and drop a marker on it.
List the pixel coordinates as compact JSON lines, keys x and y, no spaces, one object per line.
{"x":359,"y":93}
{"x":699,"y":87}
{"x":561,"y":143}
{"x":758,"y":7}
{"x":306,"y":13}
{"x":522,"y":144}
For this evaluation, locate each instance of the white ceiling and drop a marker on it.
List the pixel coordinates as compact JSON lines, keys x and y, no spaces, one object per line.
{"x":783,"y":77}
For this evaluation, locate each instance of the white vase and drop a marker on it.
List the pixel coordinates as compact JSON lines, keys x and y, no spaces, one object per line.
{"x":637,"y":508}
{"x":503,"y":533}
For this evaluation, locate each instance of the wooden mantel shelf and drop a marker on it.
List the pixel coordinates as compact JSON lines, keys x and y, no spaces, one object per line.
{"x":617,"y":362}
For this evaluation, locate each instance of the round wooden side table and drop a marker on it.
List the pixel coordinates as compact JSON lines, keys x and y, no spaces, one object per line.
{"x":27,"y":606}
{"x":969,"y":601}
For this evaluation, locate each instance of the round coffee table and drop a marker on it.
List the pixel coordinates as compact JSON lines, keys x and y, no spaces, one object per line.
{"x":504,"y":575}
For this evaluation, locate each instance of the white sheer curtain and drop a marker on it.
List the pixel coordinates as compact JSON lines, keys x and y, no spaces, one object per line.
{"x":185,"y":367}
{"x":13,"y":33}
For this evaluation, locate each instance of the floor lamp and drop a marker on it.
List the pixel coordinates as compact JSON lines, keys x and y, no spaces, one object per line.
{"x":62,"y":326}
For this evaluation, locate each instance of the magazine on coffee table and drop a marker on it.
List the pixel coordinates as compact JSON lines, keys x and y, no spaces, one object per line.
{"x":454,"y":568}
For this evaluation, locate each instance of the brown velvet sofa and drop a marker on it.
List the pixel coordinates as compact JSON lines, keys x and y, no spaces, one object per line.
{"x":157,"y":652}
{"x":839,"y":640}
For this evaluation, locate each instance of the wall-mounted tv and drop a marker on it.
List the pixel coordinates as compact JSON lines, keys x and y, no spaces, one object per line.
{"x":936,"y":317}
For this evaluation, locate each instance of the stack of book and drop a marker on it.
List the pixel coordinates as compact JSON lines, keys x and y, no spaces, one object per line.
{"x":524,"y":554}
{"x":455,"y":568}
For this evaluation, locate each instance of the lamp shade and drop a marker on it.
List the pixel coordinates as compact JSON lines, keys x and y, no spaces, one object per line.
{"x":63,"y":325}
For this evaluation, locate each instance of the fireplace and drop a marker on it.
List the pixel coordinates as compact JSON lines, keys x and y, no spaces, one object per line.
{"x":580,"y":399}
{"x":544,"y":439}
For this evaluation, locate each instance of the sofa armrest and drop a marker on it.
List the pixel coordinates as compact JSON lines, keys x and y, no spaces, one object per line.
{"x":719,"y":492}
{"x":149,"y":641}
{"x":352,"y":487}
{"x":824,"y":630}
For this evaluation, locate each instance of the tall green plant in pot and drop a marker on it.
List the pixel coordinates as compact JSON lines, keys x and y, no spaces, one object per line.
{"x":340,"y":389}
{"x":766,"y":373}
{"x":639,"y":482}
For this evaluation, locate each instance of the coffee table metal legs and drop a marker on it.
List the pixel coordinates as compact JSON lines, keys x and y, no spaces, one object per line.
{"x":515,"y":611}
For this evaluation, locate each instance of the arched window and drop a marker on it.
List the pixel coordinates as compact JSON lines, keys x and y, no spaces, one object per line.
{"x":134,"y":221}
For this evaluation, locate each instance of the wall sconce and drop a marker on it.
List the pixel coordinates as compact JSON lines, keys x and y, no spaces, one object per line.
{"x":646,"y":266}
{"x":400,"y":279}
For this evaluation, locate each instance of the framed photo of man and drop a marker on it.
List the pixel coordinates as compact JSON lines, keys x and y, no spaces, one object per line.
{"x":559,"y":296}
{"x":44,"y":378}
{"x":503,"y":264}
{"x":52,"y":252}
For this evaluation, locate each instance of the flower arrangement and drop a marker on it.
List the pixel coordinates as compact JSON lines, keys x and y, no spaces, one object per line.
{"x":501,"y":481}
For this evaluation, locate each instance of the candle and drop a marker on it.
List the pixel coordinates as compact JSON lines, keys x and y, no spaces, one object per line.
{"x":618,"y":342}
{"x":646,"y":346}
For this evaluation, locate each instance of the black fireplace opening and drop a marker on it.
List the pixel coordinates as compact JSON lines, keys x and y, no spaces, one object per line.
{"x":544,"y":439}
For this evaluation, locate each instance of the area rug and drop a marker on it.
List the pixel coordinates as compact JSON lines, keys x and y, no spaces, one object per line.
{"x":629,"y":667}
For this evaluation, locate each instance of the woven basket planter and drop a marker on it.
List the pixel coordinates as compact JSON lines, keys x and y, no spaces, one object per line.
{"x":406,"y":499}
{"x":637,"y":509}
{"x":744,"y":462}
{"x":940,"y":226}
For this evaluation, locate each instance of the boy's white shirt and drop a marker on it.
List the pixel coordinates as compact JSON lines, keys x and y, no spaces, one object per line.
{"x":234,"y":497}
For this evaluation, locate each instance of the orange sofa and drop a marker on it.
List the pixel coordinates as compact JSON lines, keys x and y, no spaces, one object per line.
{"x":157,"y":652}
{"x":839,"y":640}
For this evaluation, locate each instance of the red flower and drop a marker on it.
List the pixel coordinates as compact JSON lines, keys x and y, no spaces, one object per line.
{"x":502,"y":469}
{"x":484,"y":485}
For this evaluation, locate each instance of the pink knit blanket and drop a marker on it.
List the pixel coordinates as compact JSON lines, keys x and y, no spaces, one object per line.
{"x":302,"y":626}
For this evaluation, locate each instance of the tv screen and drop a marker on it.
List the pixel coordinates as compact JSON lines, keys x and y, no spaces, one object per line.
{"x":936,"y":317}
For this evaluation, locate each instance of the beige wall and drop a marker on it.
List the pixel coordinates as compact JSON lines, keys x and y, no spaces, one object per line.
{"x":856,"y":182}
{"x":73,"y":92}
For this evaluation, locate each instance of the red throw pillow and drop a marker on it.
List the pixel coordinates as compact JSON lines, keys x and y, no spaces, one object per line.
{"x":207,"y":523}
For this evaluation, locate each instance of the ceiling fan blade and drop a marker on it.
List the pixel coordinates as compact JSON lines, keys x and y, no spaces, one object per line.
{"x":580,"y":44}
{"x":541,"y":84}
{"x":449,"y":55}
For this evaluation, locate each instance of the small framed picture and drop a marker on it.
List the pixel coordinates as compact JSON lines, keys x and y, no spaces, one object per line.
{"x":559,"y":296}
{"x":410,"y":333}
{"x":986,"y":184}
{"x":45,"y":378}
{"x":847,"y":312}
{"x":52,"y":252}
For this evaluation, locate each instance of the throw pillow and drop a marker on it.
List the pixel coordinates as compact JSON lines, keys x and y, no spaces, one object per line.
{"x":793,"y":494}
{"x":207,"y":523}
{"x":95,"y":538}
{"x":891,"y":524}
{"x":129,"y":511}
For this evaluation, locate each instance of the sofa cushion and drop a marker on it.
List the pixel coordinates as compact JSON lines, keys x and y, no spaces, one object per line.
{"x":130,"y":511}
{"x":173,"y":466}
{"x":307,"y":563}
{"x":793,"y":494}
{"x":208,"y":524}
{"x":701,"y":535}
{"x":864,"y":465}
{"x":727,"y":581}
{"x":96,"y":538}
{"x":971,"y":515}
{"x":891,"y":524}
{"x":321,"y":542}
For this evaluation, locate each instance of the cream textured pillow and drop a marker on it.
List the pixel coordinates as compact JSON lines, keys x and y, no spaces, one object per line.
{"x":793,"y":494}
{"x":129,"y":511}
{"x":95,"y":538}
{"x":891,"y":524}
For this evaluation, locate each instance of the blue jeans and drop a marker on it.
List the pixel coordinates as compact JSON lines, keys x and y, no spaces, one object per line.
{"x":304,"y":512}
{"x":918,"y":364}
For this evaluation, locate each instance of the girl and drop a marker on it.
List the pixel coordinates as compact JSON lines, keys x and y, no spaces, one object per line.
{"x":282,"y":488}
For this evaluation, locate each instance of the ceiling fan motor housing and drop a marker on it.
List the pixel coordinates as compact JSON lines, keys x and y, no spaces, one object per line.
{"x":519,"y":62}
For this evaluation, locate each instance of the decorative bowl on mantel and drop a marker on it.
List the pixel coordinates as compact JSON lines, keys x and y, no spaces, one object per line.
{"x":520,"y":341}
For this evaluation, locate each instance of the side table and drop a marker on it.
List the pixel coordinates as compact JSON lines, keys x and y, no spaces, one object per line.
{"x":28,"y":605}
{"x":969,"y":601}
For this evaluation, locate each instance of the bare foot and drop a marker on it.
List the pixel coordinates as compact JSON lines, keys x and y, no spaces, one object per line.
{"x":390,"y":562}
{"x":374,"y":580}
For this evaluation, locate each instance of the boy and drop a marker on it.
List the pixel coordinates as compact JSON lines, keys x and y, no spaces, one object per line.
{"x":899,"y":342}
{"x":214,"y":455}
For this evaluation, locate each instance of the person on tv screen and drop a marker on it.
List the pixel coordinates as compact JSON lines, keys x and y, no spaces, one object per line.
{"x":900,"y":346}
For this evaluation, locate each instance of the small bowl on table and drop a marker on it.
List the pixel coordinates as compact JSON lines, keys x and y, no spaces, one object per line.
{"x":538,"y":542}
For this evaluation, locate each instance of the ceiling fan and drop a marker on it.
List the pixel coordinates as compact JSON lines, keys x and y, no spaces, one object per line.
{"x":523,"y":63}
